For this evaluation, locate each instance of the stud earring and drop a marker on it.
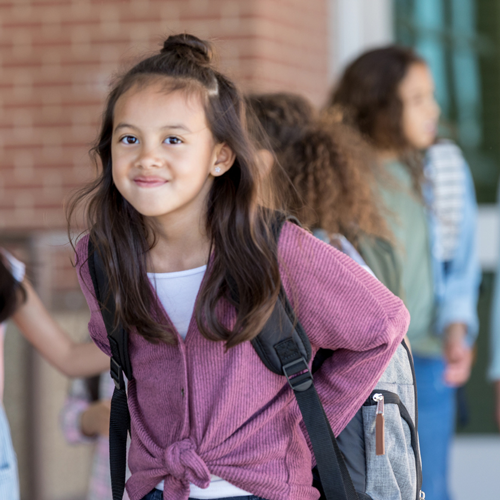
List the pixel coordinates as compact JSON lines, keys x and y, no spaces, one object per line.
{"x":217,"y":170}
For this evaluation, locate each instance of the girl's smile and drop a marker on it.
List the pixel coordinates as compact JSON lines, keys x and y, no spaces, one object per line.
{"x":145,"y":181}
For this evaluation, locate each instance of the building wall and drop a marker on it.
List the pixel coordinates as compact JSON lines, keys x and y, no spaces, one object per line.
{"x":356,"y":26}
{"x":56,"y":60}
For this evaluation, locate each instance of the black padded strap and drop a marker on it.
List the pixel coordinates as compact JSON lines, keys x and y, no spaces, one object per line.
{"x":335,"y":479}
{"x":119,"y":423}
{"x":117,"y":336}
{"x":282,"y":325}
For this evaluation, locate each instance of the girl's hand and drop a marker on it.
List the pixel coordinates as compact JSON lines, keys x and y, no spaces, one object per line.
{"x":458,"y":355}
{"x":95,"y":420}
{"x":40,"y":329}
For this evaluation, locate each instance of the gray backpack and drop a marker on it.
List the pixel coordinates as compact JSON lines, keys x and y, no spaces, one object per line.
{"x":380,"y":444}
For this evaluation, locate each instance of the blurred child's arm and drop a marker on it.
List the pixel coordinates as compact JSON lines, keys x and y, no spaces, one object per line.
{"x":75,"y":405}
{"x":72,"y":359}
{"x":95,"y":419}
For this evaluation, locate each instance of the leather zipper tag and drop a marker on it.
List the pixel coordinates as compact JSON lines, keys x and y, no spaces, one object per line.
{"x":379,"y":434}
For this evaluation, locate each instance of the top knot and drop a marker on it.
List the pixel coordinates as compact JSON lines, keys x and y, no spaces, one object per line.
{"x":189,"y":46}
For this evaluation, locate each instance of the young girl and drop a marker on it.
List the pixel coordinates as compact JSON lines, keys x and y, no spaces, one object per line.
{"x":175,"y":214}
{"x":388,"y":95}
{"x":19,"y":302}
{"x":326,"y":183}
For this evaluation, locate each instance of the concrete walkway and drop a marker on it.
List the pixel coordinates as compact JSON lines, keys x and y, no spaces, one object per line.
{"x":475,"y":467}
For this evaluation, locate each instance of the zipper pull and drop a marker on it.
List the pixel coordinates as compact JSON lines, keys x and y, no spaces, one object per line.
{"x":379,"y":425}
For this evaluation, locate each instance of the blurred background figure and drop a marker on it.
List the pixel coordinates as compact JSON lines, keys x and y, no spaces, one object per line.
{"x":55,"y":63}
{"x":387,"y":95}
{"x":19,"y":302}
{"x":85,"y":420}
{"x":327,"y":181}
{"x":494,"y":368}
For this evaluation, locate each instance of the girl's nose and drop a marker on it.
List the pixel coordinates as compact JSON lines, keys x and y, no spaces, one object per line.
{"x":149,"y":159}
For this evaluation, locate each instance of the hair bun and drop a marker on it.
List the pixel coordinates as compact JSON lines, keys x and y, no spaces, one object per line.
{"x":189,"y":46}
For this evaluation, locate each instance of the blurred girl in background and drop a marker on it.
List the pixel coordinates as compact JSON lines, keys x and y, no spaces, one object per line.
{"x":85,"y":420}
{"x":325,"y":178}
{"x":19,"y":302}
{"x":388,"y":96}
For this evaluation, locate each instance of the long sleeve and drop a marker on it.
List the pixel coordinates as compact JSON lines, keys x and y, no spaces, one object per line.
{"x":462,"y":274}
{"x":343,"y":308}
{"x":494,"y":368}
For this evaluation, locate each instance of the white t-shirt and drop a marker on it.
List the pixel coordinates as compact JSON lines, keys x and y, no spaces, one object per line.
{"x":177,"y":293}
{"x":17,"y":269}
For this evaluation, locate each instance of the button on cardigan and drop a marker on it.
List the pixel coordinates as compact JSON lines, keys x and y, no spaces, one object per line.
{"x":198,"y":410}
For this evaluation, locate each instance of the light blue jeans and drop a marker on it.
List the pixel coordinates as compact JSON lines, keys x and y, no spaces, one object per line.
{"x":158,"y":495}
{"x":436,"y":425}
{"x":9,"y":482}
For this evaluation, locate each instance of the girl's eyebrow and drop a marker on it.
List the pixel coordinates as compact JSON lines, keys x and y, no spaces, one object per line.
{"x":177,"y":126}
{"x":174,"y":126}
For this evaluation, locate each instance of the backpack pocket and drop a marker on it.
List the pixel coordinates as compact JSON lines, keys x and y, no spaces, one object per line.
{"x":394,"y":474}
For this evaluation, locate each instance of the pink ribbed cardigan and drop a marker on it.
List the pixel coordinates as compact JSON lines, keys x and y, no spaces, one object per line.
{"x":197,"y":410}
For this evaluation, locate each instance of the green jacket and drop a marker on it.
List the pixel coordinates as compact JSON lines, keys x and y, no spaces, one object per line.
{"x":381,"y":258}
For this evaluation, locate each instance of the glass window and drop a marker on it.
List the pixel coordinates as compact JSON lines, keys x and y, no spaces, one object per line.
{"x":458,"y":40}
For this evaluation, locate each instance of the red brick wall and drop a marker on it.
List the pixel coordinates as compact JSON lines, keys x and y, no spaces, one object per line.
{"x":56,"y":58}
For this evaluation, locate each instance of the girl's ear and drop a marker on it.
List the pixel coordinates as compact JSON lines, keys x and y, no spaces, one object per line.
{"x":224,"y":160}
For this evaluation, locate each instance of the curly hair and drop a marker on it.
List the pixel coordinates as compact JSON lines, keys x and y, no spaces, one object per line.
{"x":367,"y":99}
{"x":318,"y":165}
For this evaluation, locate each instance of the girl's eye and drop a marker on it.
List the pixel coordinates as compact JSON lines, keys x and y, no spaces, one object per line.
{"x":129,"y":139}
{"x":173,"y":140}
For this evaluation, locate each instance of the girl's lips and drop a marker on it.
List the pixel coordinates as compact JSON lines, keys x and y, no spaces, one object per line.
{"x":150,"y":182}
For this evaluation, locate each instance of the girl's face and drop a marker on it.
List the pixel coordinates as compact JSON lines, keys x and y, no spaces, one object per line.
{"x":164,"y":157}
{"x":420,"y":109}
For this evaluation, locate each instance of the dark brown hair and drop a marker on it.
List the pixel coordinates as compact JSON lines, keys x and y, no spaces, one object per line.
{"x":330,"y":187}
{"x":243,"y":255}
{"x":12,"y":293}
{"x":367,"y":98}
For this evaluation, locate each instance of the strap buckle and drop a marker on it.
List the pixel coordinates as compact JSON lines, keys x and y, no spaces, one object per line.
{"x":301,"y":382}
{"x":116,"y":372}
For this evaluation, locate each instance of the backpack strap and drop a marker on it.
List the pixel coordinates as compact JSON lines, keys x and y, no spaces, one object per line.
{"x":286,"y":357}
{"x":285,"y":349}
{"x":119,"y":424}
